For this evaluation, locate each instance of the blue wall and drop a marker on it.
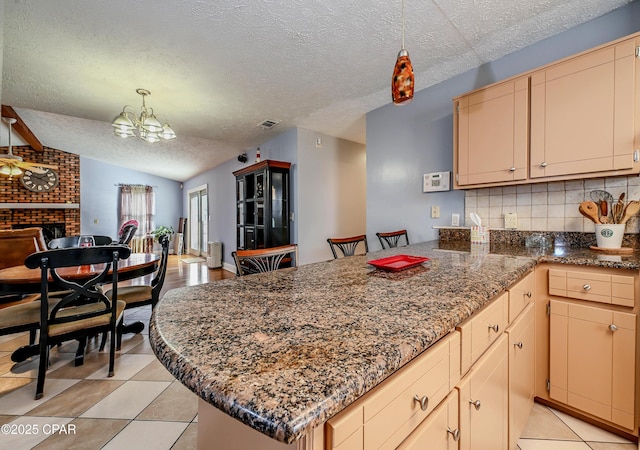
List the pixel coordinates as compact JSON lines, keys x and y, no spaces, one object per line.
{"x":99,"y":197}
{"x":404,"y":142}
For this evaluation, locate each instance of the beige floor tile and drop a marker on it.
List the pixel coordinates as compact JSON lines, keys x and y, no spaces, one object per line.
{"x":84,"y":434}
{"x":142,"y":348}
{"x":10,"y":337}
{"x":8,"y":385}
{"x":188,"y":440}
{"x":543,"y":444}
{"x":29,"y":368}
{"x":177,"y":403}
{"x":126,"y":366}
{"x":588,"y":432}
{"x":15,"y":341}
{"x":127,"y":401}
{"x":611,"y":446}
{"x":543,"y":423}
{"x":130,"y":341}
{"x":6,"y":419}
{"x":93,"y":362}
{"x":40,"y":430}
{"x":143,"y":434}
{"x":73,"y":402}
{"x":154,"y":371}
{"x":22,"y":400}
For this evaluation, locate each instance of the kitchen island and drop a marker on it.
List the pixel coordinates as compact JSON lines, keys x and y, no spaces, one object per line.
{"x":285,"y":351}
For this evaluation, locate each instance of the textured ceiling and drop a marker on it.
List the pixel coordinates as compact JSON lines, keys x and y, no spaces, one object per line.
{"x":216,"y":69}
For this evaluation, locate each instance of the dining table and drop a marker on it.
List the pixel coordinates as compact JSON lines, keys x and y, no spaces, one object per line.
{"x":22,"y":281}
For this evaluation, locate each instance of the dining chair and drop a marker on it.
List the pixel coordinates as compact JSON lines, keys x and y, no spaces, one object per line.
{"x":127,"y":231}
{"x":74,"y":241}
{"x":265,"y":259}
{"x":135,"y":296}
{"x":347,"y":245}
{"x":392,"y":238}
{"x":85,"y":310}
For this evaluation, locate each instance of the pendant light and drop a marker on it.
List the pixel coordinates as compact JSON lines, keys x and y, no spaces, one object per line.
{"x":402,"y":81}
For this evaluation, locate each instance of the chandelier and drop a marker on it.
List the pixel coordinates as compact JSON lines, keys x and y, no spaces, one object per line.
{"x":402,"y":82}
{"x":11,"y":165}
{"x":148,"y":126}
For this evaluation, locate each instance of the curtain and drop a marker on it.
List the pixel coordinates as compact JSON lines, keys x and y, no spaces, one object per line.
{"x":138,"y":202}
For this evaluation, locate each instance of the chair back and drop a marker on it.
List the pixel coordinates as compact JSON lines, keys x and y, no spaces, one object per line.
{"x":78,"y":293}
{"x":74,"y":241}
{"x":127,"y":231}
{"x":392,"y":238}
{"x":264,"y":259}
{"x":158,"y":279}
{"x":347,"y":245}
{"x":16,"y":245}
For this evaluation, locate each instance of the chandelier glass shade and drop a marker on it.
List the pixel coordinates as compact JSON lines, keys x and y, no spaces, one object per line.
{"x":9,"y":168}
{"x":402,"y":82}
{"x":147,"y":125}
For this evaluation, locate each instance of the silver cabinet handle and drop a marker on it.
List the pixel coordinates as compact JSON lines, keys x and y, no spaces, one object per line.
{"x":424,"y":402}
{"x":476,"y":404}
{"x":495,"y":328}
{"x":512,"y":169}
{"x":613,"y":327}
{"x":586,"y":287}
{"x":543,"y":164}
{"x":528,"y":294}
{"x":454,"y":433}
{"x":517,"y":344}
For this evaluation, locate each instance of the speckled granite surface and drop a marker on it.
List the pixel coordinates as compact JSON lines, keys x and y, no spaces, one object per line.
{"x":285,"y":351}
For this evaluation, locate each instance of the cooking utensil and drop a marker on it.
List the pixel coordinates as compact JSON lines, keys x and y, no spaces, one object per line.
{"x":632,"y":208}
{"x":476,"y":219}
{"x":617,"y":209}
{"x":598,"y":196}
{"x":590,"y":211}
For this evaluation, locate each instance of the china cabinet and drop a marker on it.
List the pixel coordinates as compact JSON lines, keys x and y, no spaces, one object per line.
{"x":262,"y":205}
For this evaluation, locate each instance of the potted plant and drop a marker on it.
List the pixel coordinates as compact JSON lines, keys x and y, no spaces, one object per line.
{"x":162,"y":231}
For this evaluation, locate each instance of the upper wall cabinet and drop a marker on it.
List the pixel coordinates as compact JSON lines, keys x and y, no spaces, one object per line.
{"x":576,"y":118}
{"x":492,"y":133}
{"x":582,"y":113}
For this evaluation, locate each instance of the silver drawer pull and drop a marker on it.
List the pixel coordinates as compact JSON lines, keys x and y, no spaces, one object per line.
{"x":543,"y":164}
{"x":586,"y":287}
{"x":613,"y":327}
{"x":424,"y":402}
{"x":454,"y":433}
{"x":476,"y":404}
{"x":495,"y":328}
{"x":512,"y":169}
{"x":517,"y":344}
{"x":528,"y":294}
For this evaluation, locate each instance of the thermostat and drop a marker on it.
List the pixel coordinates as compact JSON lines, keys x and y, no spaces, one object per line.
{"x":436,"y":181}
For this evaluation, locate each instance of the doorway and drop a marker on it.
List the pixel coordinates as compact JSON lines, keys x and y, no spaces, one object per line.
{"x":198,"y":222}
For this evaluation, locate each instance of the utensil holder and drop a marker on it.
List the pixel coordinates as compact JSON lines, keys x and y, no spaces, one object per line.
{"x":479,"y":235}
{"x":610,"y":235}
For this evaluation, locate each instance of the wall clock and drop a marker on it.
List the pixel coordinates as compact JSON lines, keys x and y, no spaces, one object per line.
{"x":39,"y":182}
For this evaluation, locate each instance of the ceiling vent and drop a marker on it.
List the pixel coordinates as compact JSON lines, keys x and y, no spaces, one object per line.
{"x":268,"y":124}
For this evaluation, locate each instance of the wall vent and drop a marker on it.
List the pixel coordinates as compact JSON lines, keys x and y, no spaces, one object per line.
{"x":268,"y":124}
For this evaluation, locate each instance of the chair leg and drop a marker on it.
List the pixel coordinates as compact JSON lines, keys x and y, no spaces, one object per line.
{"x":119,"y":331}
{"x":82,"y":344}
{"x":42,"y":367}
{"x":112,"y":348}
{"x":32,"y":336}
{"x":103,"y":341}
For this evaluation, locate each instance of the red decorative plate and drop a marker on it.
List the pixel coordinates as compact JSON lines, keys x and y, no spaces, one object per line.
{"x":397,"y":262}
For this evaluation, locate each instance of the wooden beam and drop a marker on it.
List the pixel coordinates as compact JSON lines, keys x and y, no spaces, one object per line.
{"x":22,"y":129}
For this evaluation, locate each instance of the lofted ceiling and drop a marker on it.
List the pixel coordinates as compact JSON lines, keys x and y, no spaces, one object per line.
{"x":216,"y":69}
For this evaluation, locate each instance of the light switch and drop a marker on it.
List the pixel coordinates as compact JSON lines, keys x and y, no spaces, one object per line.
{"x":435,"y":212}
{"x":511,"y":220}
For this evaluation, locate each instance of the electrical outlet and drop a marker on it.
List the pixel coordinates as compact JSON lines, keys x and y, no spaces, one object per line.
{"x":511,"y":220}
{"x":435,"y":212}
{"x":455,"y":220}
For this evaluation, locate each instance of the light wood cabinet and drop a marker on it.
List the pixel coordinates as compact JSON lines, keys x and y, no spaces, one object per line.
{"x":521,"y":337}
{"x":484,"y":406}
{"x":592,"y":360}
{"x":582,"y":113}
{"x":439,"y":431}
{"x":521,"y":294}
{"x":491,"y":134}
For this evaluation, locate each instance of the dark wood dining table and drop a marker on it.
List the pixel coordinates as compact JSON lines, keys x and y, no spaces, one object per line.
{"x":22,"y":280}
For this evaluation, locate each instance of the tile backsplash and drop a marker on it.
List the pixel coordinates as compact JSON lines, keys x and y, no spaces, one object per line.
{"x":549,"y":206}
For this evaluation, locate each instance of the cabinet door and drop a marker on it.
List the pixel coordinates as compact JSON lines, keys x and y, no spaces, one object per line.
{"x":592,"y":360}
{"x":484,"y":401}
{"x":521,"y":337}
{"x":439,"y":431}
{"x":582,"y":113}
{"x":492,"y":134}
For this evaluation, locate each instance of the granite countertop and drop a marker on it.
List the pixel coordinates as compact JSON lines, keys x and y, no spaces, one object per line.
{"x":284,"y":351}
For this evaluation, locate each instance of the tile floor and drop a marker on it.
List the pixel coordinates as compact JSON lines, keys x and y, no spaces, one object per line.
{"x":143,"y":407}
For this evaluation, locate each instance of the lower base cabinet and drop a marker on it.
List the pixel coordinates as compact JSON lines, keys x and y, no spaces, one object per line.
{"x":439,"y":431}
{"x":484,"y":405}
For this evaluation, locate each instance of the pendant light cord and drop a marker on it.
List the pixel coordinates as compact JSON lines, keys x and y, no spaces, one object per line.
{"x":402,"y":3}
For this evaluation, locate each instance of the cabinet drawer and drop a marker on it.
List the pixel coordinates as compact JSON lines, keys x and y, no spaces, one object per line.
{"x":384,"y":417}
{"x":593,"y":286}
{"x":479,"y":331}
{"x":520,"y":295}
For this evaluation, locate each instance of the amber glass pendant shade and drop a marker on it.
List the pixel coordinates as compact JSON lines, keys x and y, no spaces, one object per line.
{"x":402,"y":81}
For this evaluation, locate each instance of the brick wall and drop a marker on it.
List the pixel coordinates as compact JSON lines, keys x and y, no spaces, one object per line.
{"x":67,"y":191}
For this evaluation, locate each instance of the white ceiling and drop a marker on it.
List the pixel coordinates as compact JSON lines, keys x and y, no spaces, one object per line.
{"x":216,"y":69}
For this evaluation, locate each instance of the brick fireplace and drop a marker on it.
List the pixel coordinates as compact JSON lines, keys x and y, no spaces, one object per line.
{"x":20,"y":207}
